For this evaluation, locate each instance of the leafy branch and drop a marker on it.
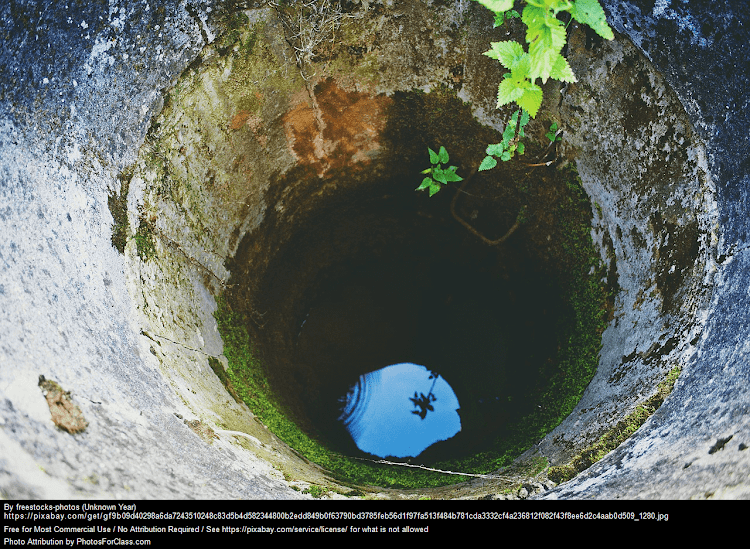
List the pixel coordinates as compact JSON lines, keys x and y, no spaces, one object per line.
{"x":502,"y":17}
{"x":506,"y":149}
{"x":553,"y":134}
{"x":546,"y":36}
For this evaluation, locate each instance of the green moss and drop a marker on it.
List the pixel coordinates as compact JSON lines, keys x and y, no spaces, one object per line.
{"x":144,"y":241}
{"x":616,"y":436}
{"x":315,"y":491}
{"x":221,"y":373}
{"x":118,"y":207}
{"x":234,"y":25}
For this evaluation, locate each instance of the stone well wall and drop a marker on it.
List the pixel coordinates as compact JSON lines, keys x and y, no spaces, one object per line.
{"x":93,"y":97}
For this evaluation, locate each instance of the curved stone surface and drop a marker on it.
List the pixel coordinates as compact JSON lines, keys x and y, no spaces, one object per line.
{"x":79,"y":89}
{"x":695,"y":445}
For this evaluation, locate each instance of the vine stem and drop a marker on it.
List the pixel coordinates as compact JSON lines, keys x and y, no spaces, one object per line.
{"x":540,"y":164}
{"x":553,"y":144}
{"x":470,"y":228}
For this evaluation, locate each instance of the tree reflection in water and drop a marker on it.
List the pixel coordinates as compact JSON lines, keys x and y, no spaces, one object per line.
{"x":380,"y":424}
{"x":424,"y":402}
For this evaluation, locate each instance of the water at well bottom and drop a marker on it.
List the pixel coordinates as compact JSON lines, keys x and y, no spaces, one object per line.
{"x":485,"y":335}
{"x":400,"y":410}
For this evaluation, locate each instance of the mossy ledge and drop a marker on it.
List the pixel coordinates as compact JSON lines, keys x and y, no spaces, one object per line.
{"x":616,"y":436}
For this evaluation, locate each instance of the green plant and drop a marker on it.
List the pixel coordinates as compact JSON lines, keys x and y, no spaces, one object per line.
{"x":546,"y":37}
{"x":438,"y":175}
{"x":506,"y":149}
{"x":502,"y":17}
{"x":315,"y":491}
{"x":553,"y":134}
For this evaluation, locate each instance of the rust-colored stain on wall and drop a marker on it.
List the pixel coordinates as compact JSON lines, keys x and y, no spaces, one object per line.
{"x":239,"y":120}
{"x":336,"y":129}
{"x":252,"y":121}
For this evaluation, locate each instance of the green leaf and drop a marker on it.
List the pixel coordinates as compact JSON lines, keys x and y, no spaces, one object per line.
{"x":443,"y":155}
{"x":510,"y":131}
{"x":508,"y":134}
{"x":508,"y":52}
{"x":506,"y":156}
{"x":488,"y":163}
{"x":431,"y":186}
{"x":439,"y":175}
{"x":522,"y":123}
{"x":544,"y":52}
{"x":541,"y":62}
{"x":495,"y":150}
{"x":501,"y":18}
{"x":426,"y":182}
{"x":497,"y":6}
{"x":524,"y":118}
{"x":546,"y":37}
{"x":433,"y":156}
{"x":590,"y":12}
{"x":451,"y":175}
{"x":561,"y":70}
{"x":521,"y":148}
{"x":531,"y":100}
{"x":507,"y":92}
{"x":552,"y":131}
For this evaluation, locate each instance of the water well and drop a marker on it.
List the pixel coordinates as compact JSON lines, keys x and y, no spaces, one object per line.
{"x":190,"y":139}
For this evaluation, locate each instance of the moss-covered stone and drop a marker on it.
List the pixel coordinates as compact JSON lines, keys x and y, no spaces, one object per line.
{"x":617,"y":435}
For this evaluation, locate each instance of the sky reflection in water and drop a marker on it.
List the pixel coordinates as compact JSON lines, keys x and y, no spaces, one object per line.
{"x":379,"y":411}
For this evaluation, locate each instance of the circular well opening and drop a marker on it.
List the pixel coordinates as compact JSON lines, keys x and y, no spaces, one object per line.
{"x":373,"y":275}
